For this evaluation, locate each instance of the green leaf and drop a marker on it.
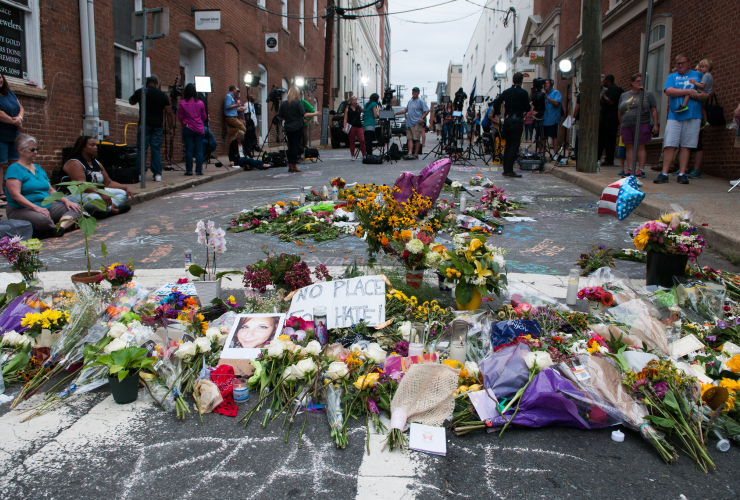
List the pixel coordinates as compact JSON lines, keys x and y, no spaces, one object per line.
{"x":663,"y":422}
{"x":463,"y":293}
{"x":52,"y":198}
{"x":88,"y":225}
{"x":196,"y":270}
{"x":19,"y":360}
{"x":104,"y":249}
{"x":119,"y":357}
{"x":115,"y":369}
{"x":224,"y":273}
{"x":99,"y":204}
{"x":122,"y":375}
{"x":670,"y":400}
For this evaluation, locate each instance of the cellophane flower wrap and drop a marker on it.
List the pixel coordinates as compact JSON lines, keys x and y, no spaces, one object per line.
{"x":672,"y":233}
{"x":475,"y":265}
{"x":23,"y":256}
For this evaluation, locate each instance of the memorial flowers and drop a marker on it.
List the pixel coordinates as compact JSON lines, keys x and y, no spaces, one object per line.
{"x":477,"y":267}
{"x":117,"y":274}
{"x":672,"y":233}
{"x":23,"y":256}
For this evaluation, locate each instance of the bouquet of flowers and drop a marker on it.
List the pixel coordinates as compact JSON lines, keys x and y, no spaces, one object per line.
{"x":417,"y":251}
{"x":338,"y":182}
{"x":599,"y":257}
{"x":596,"y":294}
{"x":672,"y":233}
{"x":476,"y":266}
{"x":23,"y":256}
{"x":284,"y":271}
{"x":495,"y":200}
{"x":456,"y":188}
{"x":49,"y":319}
{"x":215,"y":242}
{"x":117,"y":274}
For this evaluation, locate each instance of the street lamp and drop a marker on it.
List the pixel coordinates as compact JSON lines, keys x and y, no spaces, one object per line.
{"x":364,"y":81}
{"x":500,"y":68}
{"x":567,"y":68}
{"x":399,"y":50}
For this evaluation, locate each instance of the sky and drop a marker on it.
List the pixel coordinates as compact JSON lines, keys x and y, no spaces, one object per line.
{"x":431,"y":47}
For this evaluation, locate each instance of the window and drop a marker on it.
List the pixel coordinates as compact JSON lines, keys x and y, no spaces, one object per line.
{"x":509,"y":53}
{"x":476,"y":54}
{"x":124,"y":50}
{"x":20,"y":41}
{"x":261,"y":3}
{"x":315,"y":12}
{"x":284,"y":10}
{"x":655,"y":64}
{"x":459,"y":70}
{"x":301,"y":23}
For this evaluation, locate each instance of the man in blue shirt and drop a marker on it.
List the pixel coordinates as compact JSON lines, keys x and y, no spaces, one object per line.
{"x":682,"y":128}
{"x":231,"y":114}
{"x":416,"y":112}
{"x":551,"y":118}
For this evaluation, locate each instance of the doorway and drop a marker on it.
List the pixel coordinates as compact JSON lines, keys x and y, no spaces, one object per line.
{"x":192,"y":57}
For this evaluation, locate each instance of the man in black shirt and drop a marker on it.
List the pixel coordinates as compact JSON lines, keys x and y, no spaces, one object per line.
{"x":516,"y":104}
{"x":609,"y":119}
{"x":157,"y":103}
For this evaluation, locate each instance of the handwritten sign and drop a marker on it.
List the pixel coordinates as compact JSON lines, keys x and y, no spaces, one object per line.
{"x":346,"y":301}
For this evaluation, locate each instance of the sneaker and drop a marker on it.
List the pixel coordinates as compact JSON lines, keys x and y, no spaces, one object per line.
{"x":706,"y":124}
{"x":695,"y":174}
{"x":626,"y":173}
{"x":681,"y":109}
{"x":621,"y":172}
{"x":735,"y":183}
{"x":157,"y":178}
{"x":640,"y":173}
{"x":661,"y":179}
{"x":682,"y":179}
{"x":353,"y":159}
{"x":412,"y":157}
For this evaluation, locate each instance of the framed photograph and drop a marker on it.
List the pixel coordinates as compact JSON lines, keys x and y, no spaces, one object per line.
{"x":250,"y":333}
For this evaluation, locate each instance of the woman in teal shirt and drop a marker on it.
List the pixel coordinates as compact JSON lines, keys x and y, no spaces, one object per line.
{"x":26,"y":185}
{"x":368,"y":121}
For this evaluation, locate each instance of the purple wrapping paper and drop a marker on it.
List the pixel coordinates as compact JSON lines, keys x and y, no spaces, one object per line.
{"x":505,"y":371}
{"x":553,"y":400}
{"x":14,"y":314}
{"x":428,"y":183}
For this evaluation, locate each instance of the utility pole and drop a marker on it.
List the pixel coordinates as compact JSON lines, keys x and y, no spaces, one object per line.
{"x":326,"y":97}
{"x":590,"y":88}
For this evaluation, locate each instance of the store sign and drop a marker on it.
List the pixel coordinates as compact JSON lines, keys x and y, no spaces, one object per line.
{"x":536,"y":57}
{"x":523,"y":64}
{"x":13,"y":42}
{"x":208,"y":20}
{"x":271,"y":42}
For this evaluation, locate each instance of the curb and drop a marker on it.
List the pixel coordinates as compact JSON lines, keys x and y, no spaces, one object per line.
{"x":156,"y":193}
{"x":718,"y":241}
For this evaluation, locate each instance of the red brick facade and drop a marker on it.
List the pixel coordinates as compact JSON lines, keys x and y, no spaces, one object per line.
{"x":699,"y":30}
{"x":54,"y":114}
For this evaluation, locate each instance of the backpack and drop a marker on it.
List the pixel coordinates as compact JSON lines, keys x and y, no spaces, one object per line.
{"x":372,"y":160}
{"x":393,"y":152}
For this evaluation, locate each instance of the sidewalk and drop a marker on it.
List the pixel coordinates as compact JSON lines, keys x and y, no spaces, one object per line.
{"x":707,"y":198}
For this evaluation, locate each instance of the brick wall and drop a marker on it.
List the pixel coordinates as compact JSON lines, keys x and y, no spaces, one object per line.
{"x":55,"y":116}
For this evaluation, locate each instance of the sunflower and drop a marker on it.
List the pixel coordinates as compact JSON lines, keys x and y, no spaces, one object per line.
{"x":734,"y":364}
{"x":642,"y":238}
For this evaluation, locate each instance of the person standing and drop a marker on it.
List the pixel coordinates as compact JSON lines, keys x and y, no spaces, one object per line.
{"x":352,"y":117}
{"x":11,"y":121}
{"x":516,"y":104}
{"x":609,"y":120}
{"x":438,"y":120}
{"x":416,"y":111}
{"x":192,"y":114}
{"x":682,"y":129}
{"x":368,"y":121}
{"x":627,"y":115}
{"x":231,"y":114}
{"x":292,"y":113}
{"x":551,"y":119}
{"x":250,"y":137}
{"x":529,"y":125}
{"x":157,"y":103}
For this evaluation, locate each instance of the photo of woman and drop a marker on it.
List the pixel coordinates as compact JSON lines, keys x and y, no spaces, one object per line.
{"x":253,"y":331}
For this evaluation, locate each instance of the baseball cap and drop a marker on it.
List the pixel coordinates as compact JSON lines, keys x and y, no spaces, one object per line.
{"x":416,"y":89}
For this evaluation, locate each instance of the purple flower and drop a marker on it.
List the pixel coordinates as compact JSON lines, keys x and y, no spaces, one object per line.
{"x":372,"y":406}
{"x":711,"y":338}
{"x":402,"y":348}
{"x":722,"y":324}
{"x":638,"y":384}
{"x":660,"y":389}
{"x":601,"y":247}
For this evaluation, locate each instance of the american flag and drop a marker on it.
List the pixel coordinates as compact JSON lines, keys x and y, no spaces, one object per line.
{"x":620,"y":198}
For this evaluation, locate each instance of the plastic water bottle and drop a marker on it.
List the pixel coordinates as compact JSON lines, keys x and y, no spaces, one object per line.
{"x":526,"y":150}
{"x":334,"y":193}
{"x":302,"y":196}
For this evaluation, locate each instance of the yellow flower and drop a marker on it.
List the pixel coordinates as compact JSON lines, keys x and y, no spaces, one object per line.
{"x":284,"y":338}
{"x":367,"y":381}
{"x":405,"y":234}
{"x":31,"y":319}
{"x":642,"y":238}
{"x":734,"y":364}
{"x":730,"y":385}
{"x":453,"y":364}
{"x":481,"y":271}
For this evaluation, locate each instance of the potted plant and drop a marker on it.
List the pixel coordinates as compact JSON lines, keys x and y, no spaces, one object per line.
{"x":477,"y":267}
{"x":117,"y":274}
{"x":208,"y":284}
{"x":123,"y":370}
{"x":670,"y":242}
{"x":87,"y":222}
{"x":23,"y":257}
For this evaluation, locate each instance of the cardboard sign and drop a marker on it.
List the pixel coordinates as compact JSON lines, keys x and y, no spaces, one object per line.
{"x":428,"y":439}
{"x":346,"y":301}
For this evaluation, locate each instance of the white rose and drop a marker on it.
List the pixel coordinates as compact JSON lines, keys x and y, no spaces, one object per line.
{"x":292,"y":373}
{"x":498,"y":259}
{"x":186,"y":349}
{"x":224,"y":329}
{"x":115,"y":345}
{"x":290,"y":346}
{"x":15,"y":339}
{"x":415,"y":246}
{"x":276,"y":348}
{"x":313,"y":347}
{"x":455,"y":184}
{"x":116,"y":330}
{"x":203,"y":344}
{"x":337,"y":370}
{"x":306,"y":365}
{"x":376,"y":353}
{"x":405,"y":330}
{"x":542,"y":359}
{"x":214,"y":334}
{"x":472,"y":368}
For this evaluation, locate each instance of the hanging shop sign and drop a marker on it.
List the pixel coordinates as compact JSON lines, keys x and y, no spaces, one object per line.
{"x":208,"y":20}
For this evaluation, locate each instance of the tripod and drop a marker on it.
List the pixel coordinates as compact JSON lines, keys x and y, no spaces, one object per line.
{"x":539,"y":128}
{"x":276,"y":123}
{"x":562,"y":152}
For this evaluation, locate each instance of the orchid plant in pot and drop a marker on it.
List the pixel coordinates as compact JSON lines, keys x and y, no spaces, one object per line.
{"x":208,"y":284}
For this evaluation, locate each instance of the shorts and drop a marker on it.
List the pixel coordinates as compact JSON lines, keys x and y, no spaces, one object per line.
{"x":414,"y":133}
{"x":628,"y":134}
{"x":551,"y":130}
{"x":438,"y":127}
{"x":684,"y":133}
{"x":8,"y":152}
{"x":700,"y":143}
{"x":621,"y":150}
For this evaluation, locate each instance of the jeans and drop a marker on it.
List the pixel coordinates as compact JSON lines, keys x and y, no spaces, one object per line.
{"x":294,"y":145}
{"x":193,"y":140}
{"x":369,"y":139}
{"x":446,"y":132}
{"x":608,"y":127}
{"x":249,"y":163}
{"x":153,"y":141}
{"x":119,"y":198}
{"x":528,"y":131}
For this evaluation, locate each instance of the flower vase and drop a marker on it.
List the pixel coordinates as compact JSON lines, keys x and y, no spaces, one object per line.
{"x":456,"y":193}
{"x":207,"y":291}
{"x":662,"y":267}
{"x":473,"y":304}
{"x":442,"y":286}
{"x":595,"y":307}
{"x":414,"y":278}
{"x":34,"y":285}
{"x":126,"y":390}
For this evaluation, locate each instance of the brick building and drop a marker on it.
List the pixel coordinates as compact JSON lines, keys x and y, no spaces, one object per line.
{"x":40,"y":51}
{"x":699,"y":30}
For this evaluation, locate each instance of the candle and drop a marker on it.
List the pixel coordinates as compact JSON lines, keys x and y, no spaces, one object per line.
{"x":416,"y":349}
{"x":457,"y":352}
{"x":572,"y":294}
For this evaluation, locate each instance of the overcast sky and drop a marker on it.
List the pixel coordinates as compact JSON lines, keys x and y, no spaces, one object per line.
{"x":431,"y":47}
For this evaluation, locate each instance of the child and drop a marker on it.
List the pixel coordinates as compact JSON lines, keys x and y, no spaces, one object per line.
{"x":706,"y":84}
{"x":622,"y":155}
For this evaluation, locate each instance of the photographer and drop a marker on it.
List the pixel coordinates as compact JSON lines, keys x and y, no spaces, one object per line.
{"x":416,"y":111}
{"x":368,"y":121}
{"x":551,"y":118}
{"x":516,"y":105}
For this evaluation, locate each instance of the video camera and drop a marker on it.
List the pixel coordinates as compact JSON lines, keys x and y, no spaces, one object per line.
{"x":538,"y":96}
{"x":460,"y":97}
{"x":388,"y":97}
{"x":175,"y":91}
{"x":275,"y":96}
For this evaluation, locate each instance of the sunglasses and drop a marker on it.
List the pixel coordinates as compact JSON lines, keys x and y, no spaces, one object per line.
{"x":682,"y":62}
{"x":33,"y":150}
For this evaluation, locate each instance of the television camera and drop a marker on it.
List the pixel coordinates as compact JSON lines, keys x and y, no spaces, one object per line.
{"x":538,"y":96}
{"x":175,"y":91}
{"x":388,"y":97}
{"x":460,"y":97}
{"x":275,"y":96}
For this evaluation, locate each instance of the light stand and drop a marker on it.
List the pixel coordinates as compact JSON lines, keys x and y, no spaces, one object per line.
{"x":567,"y":69}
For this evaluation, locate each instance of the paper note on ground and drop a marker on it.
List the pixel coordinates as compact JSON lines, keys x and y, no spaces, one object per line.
{"x":428,"y":439}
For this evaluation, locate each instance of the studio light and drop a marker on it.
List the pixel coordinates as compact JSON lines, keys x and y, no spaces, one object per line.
{"x":248,"y":78}
{"x":565,"y":66}
{"x":500,"y":68}
{"x":364,"y":80}
{"x":299,"y":81}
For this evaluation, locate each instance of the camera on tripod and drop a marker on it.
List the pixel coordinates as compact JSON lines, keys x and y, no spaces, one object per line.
{"x":460,"y":97}
{"x":538,"y":96}
{"x":275,"y":96}
{"x":388,"y":97}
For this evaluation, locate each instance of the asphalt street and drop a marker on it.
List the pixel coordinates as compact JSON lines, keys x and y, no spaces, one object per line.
{"x":92,"y":448}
